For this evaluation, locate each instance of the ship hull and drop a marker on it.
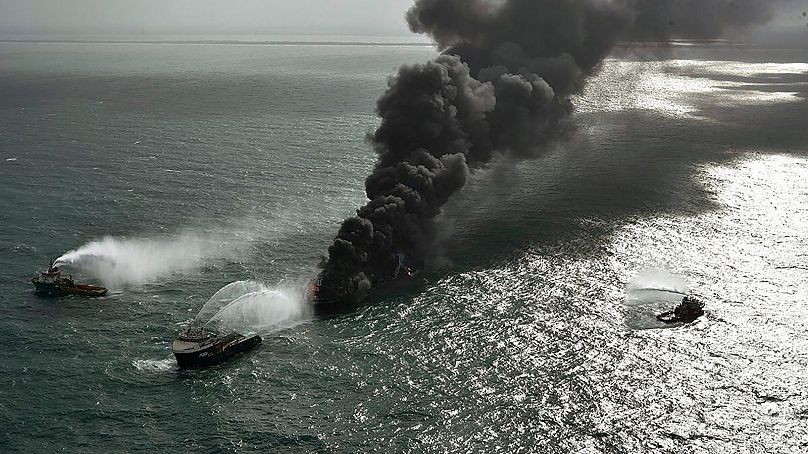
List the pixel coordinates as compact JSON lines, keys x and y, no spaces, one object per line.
{"x":208,"y":354}
{"x":55,"y":290}
{"x":51,"y":290}
{"x":330,"y":307}
{"x":670,"y":318}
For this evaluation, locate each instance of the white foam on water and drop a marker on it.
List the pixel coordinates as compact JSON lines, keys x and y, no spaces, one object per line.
{"x":154,"y":365}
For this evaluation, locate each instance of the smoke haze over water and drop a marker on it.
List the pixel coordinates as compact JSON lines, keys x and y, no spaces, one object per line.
{"x":501,"y":86}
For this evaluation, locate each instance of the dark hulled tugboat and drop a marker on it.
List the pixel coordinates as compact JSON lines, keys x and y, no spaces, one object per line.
{"x":51,"y":283}
{"x":195,"y":347}
{"x":687,"y":311}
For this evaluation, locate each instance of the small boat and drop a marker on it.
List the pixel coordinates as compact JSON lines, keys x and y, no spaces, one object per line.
{"x":195,"y":347}
{"x":687,"y":311}
{"x":51,"y":283}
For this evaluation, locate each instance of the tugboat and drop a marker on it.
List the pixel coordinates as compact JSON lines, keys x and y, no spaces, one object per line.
{"x":51,"y":283}
{"x":687,"y":311}
{"x":195,"y":347}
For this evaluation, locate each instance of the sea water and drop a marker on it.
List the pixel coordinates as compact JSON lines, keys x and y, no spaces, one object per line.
{"x":169,"y":171}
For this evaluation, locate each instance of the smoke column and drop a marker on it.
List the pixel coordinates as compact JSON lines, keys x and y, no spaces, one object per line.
{"x":501,"y":86}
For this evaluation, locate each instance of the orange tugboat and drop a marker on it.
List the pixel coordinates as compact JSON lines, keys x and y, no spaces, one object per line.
{"x":51,"y":283}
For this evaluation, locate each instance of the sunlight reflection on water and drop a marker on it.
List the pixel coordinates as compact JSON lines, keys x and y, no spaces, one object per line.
{"x":541,"y":352}
{"x":671,"y":87}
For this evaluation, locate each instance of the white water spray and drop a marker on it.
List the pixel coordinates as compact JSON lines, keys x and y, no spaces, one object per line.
{"x":655,"y":286}
{"x":249,"y":306}
{"x":117,"y":262}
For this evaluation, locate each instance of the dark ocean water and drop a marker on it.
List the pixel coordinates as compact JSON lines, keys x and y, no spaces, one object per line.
{"x":194,"y":166}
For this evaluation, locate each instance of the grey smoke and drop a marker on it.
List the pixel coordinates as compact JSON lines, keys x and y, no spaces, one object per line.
{"x":700,"y":18}
{"x":502,"y":85}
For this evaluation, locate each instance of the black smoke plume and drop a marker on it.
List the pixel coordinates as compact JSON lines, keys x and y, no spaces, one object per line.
{"x":500,"y":86}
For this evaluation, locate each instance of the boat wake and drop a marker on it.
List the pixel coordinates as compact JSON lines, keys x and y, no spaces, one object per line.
{"x":155,"y":365}
{"x":249,"y":306}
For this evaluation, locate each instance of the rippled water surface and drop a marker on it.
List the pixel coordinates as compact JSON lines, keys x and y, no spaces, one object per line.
{"x":230,"y":163}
